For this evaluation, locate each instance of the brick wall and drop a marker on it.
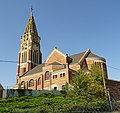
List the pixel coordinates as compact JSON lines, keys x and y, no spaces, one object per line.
{"x":114,"y":88}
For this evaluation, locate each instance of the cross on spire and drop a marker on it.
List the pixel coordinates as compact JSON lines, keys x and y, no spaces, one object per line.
{"x":31,"y":12}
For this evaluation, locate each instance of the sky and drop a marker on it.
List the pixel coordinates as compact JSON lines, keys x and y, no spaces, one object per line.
{"x":72,"y":26}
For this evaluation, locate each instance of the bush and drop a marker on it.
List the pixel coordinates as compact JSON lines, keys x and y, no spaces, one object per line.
{"x":47,"y":95}
{"x":46,"y":104}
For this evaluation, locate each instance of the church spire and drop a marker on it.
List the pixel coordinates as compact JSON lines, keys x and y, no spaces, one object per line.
{"x":30,"y":54}
{"x":31,"y":26}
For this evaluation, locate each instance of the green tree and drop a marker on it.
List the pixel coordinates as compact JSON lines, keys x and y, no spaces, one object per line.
{"x":87,"y":84}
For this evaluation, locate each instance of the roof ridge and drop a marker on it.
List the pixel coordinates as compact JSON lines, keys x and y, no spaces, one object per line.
{"x":77,"y":54}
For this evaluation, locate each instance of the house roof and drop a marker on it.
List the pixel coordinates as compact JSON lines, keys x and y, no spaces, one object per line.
{"x":93,"y":55}
{"x":76,"y":57}
{"x":36,"y":69}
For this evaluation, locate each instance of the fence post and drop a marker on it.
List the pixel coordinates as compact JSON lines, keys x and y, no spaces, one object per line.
{"x":109,"y":99}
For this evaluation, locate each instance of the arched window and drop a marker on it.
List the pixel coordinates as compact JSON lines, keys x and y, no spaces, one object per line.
{"x":31,"y":83}
{"x":39,"y":81}
{"x":23,"y":84}
{"x":47,"y":75}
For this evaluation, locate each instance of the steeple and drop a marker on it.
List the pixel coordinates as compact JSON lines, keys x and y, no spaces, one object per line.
{"x":29,"y":55}
{"x":31,"y":26}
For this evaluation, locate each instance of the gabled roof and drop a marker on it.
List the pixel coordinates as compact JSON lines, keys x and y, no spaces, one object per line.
{"x":55,"y":49}
{"x":36,"y":69}
{"x":77,"y":57}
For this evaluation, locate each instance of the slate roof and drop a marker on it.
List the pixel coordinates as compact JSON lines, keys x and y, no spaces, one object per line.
{"x":93,"y":55}
{"x":36,"y":69}
{"x":77,"y":57}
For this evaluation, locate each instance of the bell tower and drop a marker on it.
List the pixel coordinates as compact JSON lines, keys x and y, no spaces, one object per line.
{"x":29,"y":55}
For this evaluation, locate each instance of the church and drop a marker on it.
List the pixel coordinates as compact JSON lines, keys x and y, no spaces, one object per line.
{"x":58,"y":68}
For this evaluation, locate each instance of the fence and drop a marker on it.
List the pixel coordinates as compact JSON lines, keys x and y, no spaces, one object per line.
{"x":81,"y":108}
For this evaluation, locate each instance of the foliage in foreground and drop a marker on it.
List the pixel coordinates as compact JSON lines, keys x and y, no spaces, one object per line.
{"x":46,"y":104}
{"x":86,"y":84}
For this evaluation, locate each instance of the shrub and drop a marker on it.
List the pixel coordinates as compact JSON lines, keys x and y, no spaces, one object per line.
{"x":47,"y":95}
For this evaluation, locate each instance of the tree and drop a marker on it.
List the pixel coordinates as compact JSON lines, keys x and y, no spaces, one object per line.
{"x":87,"y":84}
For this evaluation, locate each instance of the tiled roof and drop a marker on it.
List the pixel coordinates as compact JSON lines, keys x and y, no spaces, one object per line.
{"x":93,"y":55}
{"x":76,"y":57}
{"x":36,"y":69}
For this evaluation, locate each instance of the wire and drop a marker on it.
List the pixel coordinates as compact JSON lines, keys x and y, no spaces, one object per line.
{"x":114,"y":68}
{"x":8,"y":61}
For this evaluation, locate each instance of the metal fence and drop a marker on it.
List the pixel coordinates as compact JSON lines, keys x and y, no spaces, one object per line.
{"x":61,"y":109}
{"x":107,"y":107}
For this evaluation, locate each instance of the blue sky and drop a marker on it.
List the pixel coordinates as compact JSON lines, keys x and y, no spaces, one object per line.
{"x":70,"y":25}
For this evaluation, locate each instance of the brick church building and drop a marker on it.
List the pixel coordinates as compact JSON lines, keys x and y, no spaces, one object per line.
{"x":57,"y":69}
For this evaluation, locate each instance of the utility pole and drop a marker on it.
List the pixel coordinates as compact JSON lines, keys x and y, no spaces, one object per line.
{"x":106,"y":91}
